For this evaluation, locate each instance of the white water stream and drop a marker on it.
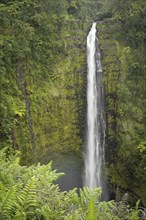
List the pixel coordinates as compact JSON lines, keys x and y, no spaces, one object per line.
{"x":94,"y":158}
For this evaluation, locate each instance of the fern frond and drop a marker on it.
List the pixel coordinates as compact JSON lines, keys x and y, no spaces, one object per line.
{"x":118,"y":195}
{"x":8,"y":203}
{"x":120,"y":208}
{"x":28,"y":196}
{"x":91,"y":212}
{"x":46,"y":174}
{"x":72,"y":196}
{"x":123,"y":203}
{"x":86,"y":194}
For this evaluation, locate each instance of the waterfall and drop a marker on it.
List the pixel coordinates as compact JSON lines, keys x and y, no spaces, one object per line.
{"x":94,"y":158}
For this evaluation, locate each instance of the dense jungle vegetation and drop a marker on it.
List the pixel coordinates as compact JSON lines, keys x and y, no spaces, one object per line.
{"x":43,"y":105}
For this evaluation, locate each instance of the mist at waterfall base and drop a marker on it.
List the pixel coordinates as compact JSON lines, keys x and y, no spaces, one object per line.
{"x":96,"y":127}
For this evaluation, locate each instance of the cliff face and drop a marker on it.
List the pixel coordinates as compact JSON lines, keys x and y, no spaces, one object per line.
{"x":122,"y":41}
{"x":43,"y":62}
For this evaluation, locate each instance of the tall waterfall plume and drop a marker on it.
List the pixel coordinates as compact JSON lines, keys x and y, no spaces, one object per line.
{"x":94,"y":158}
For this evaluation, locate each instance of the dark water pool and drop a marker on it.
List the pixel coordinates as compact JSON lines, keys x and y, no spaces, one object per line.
{"x":70,"y":164}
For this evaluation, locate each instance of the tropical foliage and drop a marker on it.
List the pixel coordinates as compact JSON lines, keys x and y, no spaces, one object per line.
{"x":31,"y":193}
